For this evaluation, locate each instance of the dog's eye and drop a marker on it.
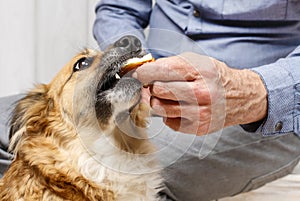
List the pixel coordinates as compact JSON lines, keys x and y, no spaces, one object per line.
{"x":82,"y":64}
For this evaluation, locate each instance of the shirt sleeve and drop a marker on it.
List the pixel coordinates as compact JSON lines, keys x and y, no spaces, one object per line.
{"x":282,"y":81}
{"x":116,"y":18}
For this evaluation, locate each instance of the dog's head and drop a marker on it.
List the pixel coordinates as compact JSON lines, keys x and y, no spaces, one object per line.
{"x":88,"y":95}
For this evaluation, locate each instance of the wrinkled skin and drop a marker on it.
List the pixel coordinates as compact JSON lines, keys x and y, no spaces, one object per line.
{"x":198,"y":94}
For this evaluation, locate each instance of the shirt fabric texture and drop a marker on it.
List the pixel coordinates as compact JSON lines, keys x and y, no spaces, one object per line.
{"x":261,"y":35}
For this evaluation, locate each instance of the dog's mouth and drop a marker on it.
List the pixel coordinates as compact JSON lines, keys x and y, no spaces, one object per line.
{"x":120,"y":59}
{"x":118,"y":70}
{"x":117,"y":91}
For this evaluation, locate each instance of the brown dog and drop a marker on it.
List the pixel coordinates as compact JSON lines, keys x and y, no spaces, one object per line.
{"x":82,"y":137}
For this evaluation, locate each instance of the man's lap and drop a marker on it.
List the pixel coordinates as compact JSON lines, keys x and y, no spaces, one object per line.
{"x":204,"y":168}
{"x":224,"y":163}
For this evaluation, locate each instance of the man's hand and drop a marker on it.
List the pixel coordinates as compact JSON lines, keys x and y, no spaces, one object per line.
{"x":198,"y":94}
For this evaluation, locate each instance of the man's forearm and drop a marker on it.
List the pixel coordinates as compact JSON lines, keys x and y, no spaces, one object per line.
{"x":282,"y":80}
{"x":115,"y":18}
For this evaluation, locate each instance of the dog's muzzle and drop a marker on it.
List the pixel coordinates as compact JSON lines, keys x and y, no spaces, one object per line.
{"x":117,"y":93}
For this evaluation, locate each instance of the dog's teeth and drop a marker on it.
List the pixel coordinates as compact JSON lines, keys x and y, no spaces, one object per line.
{"x":117,"y":76}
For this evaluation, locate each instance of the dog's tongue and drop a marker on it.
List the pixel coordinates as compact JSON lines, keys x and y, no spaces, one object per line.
{"x":134,"y":63}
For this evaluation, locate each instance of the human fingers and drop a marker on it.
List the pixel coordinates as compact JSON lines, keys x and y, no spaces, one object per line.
{"x":195,"y":92}
{"x":174,"y":109}
{"x":174,"y":68}
{"x":187,"y":126}
{"x":145,"y":96}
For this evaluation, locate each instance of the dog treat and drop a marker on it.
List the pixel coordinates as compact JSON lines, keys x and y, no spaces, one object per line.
{"x":134,"y":63}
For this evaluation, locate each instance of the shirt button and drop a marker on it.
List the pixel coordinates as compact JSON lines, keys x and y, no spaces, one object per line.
{"x":196,"y":13}
{"x":278,"y":126}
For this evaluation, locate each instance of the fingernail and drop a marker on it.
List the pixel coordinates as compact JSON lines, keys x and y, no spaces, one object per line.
{"x":134,"y":75}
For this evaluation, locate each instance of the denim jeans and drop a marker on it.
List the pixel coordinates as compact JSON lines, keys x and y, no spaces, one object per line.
{"x":204,"y":168}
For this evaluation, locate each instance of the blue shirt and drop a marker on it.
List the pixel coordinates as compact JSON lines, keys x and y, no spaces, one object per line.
{"x":262,"y":35}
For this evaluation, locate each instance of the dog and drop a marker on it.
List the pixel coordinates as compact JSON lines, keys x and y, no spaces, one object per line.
{"x":82,"y":136}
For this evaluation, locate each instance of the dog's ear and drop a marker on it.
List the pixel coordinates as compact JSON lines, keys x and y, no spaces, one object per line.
{"x":27,"y":110}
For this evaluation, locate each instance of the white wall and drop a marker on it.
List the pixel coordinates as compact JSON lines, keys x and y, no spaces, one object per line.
{"x":37,"y":37}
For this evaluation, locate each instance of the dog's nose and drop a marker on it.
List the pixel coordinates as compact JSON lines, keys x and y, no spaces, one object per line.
{"x":130,"y":43}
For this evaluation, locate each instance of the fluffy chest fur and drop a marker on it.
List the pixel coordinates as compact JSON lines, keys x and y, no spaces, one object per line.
{"x":133,"y":178}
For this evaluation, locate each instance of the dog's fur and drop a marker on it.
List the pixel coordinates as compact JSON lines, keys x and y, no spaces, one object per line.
{"x":78,"y":139}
